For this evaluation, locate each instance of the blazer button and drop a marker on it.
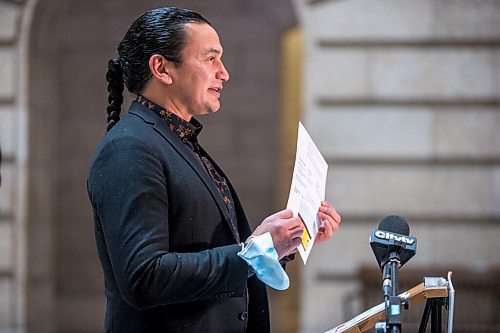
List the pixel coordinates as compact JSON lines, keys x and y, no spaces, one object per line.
{"x":243,"y":316}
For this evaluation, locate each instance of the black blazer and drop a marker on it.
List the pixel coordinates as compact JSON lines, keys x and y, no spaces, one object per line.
{"x":163,"y":237}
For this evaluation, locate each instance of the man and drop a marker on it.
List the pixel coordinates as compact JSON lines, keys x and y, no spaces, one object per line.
{"x":168,"y":224}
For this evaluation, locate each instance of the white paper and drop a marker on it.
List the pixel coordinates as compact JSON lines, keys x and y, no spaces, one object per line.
{"x":307,"y":189}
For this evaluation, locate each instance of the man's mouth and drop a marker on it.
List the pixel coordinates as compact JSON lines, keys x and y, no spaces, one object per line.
{"x":215,"y":90}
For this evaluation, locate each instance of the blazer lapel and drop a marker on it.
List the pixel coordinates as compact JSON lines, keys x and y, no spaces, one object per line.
{"x":160,"y":126}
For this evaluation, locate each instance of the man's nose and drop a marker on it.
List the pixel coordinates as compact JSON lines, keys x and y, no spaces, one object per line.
{"x":223,"y":74}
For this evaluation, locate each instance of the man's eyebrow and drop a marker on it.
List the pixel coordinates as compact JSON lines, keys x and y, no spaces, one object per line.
{"x":213,"y":50}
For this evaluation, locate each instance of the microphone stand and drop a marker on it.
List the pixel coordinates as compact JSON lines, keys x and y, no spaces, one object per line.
{"x":392,"y":301}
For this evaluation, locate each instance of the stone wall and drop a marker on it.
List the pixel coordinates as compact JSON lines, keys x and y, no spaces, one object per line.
{"x":402,"y":97}
{"x":13,"y":167}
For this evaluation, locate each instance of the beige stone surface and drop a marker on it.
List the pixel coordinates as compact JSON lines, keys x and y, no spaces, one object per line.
{"x":8,"y":189}
{"x":372,"y":132}
{"x":339,"y":73}
{"x":6,"y":294}
{"x":8,"y":125}
{"x":361,"y":19}
{"x":457,"y":245}
{"x":394,"y":73}
{"x":447,"y":244}
{"x":348,"y":249}
{"x":497,"y":65}
{"x":323,"y":305}
{"x":468,"y":133}
{"x":435,"y":73}
{"x":369,"y":132}
{"x":6,"y":248}
{"x":459,"y":191}
{"x":10,"y":15}
{"x":8,"y":72}
{"x":404,"y":20}
{"x":467,"y":19}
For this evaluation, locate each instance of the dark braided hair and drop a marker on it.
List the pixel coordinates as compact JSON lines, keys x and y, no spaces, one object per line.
{"x":158,"y":31}
{"x":114,"y":76}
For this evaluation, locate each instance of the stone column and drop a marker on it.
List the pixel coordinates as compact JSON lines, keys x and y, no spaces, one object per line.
{"x":13,"y":167}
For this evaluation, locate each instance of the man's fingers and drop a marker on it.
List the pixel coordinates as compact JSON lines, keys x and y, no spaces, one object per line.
{"x":284,"y":214}
{"x":296,"y":232}
{"x":330,"y":222}
{"x":329,"y":210}
{"x":296,"y":242}
{"x":336,"y":217}
{"x":290,"y":223}
{"x":328,"y":228}
{"x":297,"y":223}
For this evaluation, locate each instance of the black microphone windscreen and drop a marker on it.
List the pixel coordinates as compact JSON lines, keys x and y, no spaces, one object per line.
{"x":394,"y":223}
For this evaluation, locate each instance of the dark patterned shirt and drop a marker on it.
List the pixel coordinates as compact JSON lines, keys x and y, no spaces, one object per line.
{"x":188,"y":133}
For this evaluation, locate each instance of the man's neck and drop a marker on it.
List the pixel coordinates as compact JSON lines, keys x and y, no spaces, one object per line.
{"x":159,"y":96}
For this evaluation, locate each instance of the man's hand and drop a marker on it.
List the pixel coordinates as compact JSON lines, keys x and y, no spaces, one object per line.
{"x":285,"y":230}
{"x":330,"y":222}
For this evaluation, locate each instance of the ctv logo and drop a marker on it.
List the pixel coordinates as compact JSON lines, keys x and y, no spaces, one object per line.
{"x":399,"y":238}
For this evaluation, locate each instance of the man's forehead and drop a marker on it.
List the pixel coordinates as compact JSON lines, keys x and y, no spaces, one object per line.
{"x":204,"y":37}
{"x":201,"y":32}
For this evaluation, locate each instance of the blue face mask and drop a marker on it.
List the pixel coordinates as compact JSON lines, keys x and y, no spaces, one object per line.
{"x":261,"y":256}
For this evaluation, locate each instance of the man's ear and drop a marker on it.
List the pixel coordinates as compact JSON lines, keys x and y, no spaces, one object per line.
{"x":160,"y":68}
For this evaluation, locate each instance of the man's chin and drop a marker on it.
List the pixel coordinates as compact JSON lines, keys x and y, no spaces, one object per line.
{"x":213,"y":108}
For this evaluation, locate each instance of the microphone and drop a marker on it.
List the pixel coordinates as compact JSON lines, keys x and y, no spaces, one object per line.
{"x":393,"y":247}
{"x":391,"y":239}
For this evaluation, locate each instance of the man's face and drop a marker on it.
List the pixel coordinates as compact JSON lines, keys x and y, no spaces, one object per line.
{"x":197,"y":82}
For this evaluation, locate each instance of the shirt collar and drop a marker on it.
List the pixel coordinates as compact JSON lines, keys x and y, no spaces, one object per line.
{"x":184,"y":129}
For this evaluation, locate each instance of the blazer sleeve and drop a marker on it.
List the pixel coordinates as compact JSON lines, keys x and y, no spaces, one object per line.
{"x":127,"y":189}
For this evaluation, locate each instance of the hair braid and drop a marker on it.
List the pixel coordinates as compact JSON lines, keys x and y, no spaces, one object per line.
{"x":114,"y":76}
